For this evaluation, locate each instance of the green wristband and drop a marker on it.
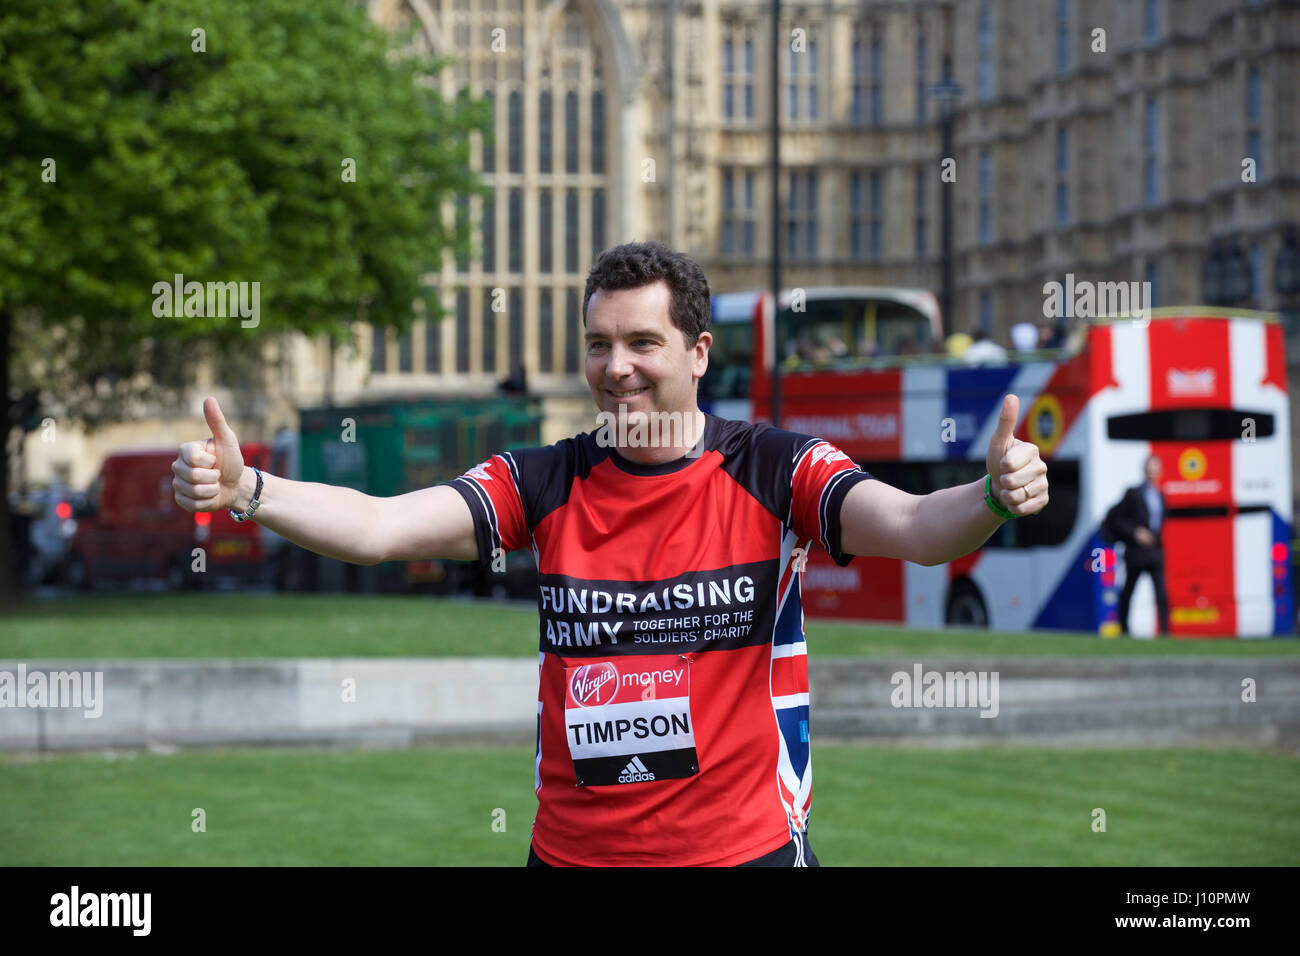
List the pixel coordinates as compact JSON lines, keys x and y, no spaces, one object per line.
{"x":994,"y":505}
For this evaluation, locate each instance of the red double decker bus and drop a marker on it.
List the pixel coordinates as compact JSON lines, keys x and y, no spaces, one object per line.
{"x":1203,"y":389}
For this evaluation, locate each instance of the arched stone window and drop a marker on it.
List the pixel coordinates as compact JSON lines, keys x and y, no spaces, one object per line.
{"x":550,"y":163}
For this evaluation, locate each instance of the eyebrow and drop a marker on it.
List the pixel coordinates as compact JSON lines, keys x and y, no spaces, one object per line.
{"x":634,"y":334}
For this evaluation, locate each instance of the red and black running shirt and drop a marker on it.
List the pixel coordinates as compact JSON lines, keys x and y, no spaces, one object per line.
{"x":672,"y":706}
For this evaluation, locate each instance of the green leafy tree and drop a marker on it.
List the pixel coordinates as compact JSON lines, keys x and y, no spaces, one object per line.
{"x":289,"y":143}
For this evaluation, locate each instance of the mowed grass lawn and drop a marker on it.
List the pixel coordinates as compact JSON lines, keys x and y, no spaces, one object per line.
{"x":328,"y":625}
{"x":871,"y":806}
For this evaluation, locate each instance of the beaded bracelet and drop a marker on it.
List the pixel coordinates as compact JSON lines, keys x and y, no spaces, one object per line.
{"x":256,"y":500}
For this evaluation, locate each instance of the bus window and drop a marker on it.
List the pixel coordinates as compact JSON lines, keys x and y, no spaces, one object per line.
{"x":845,"y":332}
{"x":902,"y":330}
{"x":1188,"y":424}
{"x":1215,"y":511}
{"x":731,"y":359}
{"x":825,"y":333}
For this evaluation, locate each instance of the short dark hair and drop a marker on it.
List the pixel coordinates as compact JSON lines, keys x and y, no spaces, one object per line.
{"x":636,"y":264}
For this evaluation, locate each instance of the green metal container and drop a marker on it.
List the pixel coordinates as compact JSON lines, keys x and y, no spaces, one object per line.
{"x":393,"y":447}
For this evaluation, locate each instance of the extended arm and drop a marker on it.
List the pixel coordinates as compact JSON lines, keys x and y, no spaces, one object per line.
{"x":345,"y":524}
{"x":337,"y":522}
{"x":877,"y":519}
{"x":333,"y":521}
{"x":429,"y":523}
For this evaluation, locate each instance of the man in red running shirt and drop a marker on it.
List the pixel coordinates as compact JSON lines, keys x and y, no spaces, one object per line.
{"x":672,"y":706}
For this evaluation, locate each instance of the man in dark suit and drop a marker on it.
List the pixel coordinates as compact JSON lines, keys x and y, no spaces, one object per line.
{"x":1137,"y":522}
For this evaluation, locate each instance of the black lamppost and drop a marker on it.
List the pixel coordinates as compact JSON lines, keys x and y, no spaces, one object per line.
{"x":946,"y":93}
{"x":777,"y":343}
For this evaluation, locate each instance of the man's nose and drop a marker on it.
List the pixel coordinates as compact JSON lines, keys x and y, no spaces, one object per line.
{"x":619,"y":363}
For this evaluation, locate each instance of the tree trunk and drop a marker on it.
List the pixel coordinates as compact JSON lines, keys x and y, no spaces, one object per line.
{"x":8,"y":587}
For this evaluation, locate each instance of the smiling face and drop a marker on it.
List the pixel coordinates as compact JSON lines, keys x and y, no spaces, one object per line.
{"x":637,"y":357}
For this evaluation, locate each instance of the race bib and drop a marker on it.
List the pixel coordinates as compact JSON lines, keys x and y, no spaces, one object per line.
{"x":628,"y":720}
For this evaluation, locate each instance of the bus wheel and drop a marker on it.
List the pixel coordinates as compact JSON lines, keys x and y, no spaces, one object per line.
{"x":966,"y":607}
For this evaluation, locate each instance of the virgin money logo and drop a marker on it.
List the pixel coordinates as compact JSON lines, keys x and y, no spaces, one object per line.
{"x":594,"y":684}
{"x":480,"y":472}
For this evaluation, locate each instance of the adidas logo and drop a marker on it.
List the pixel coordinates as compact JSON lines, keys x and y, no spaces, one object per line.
{"x":635,"y":772}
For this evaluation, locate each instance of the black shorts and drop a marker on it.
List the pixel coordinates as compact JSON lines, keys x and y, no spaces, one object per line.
{"x":795,"y":853}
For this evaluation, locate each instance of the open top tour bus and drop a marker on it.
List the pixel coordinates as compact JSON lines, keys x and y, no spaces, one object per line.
{"x":1203,"y":389}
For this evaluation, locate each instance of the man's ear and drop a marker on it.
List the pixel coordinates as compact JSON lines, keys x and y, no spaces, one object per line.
{"x":706,"y":340}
